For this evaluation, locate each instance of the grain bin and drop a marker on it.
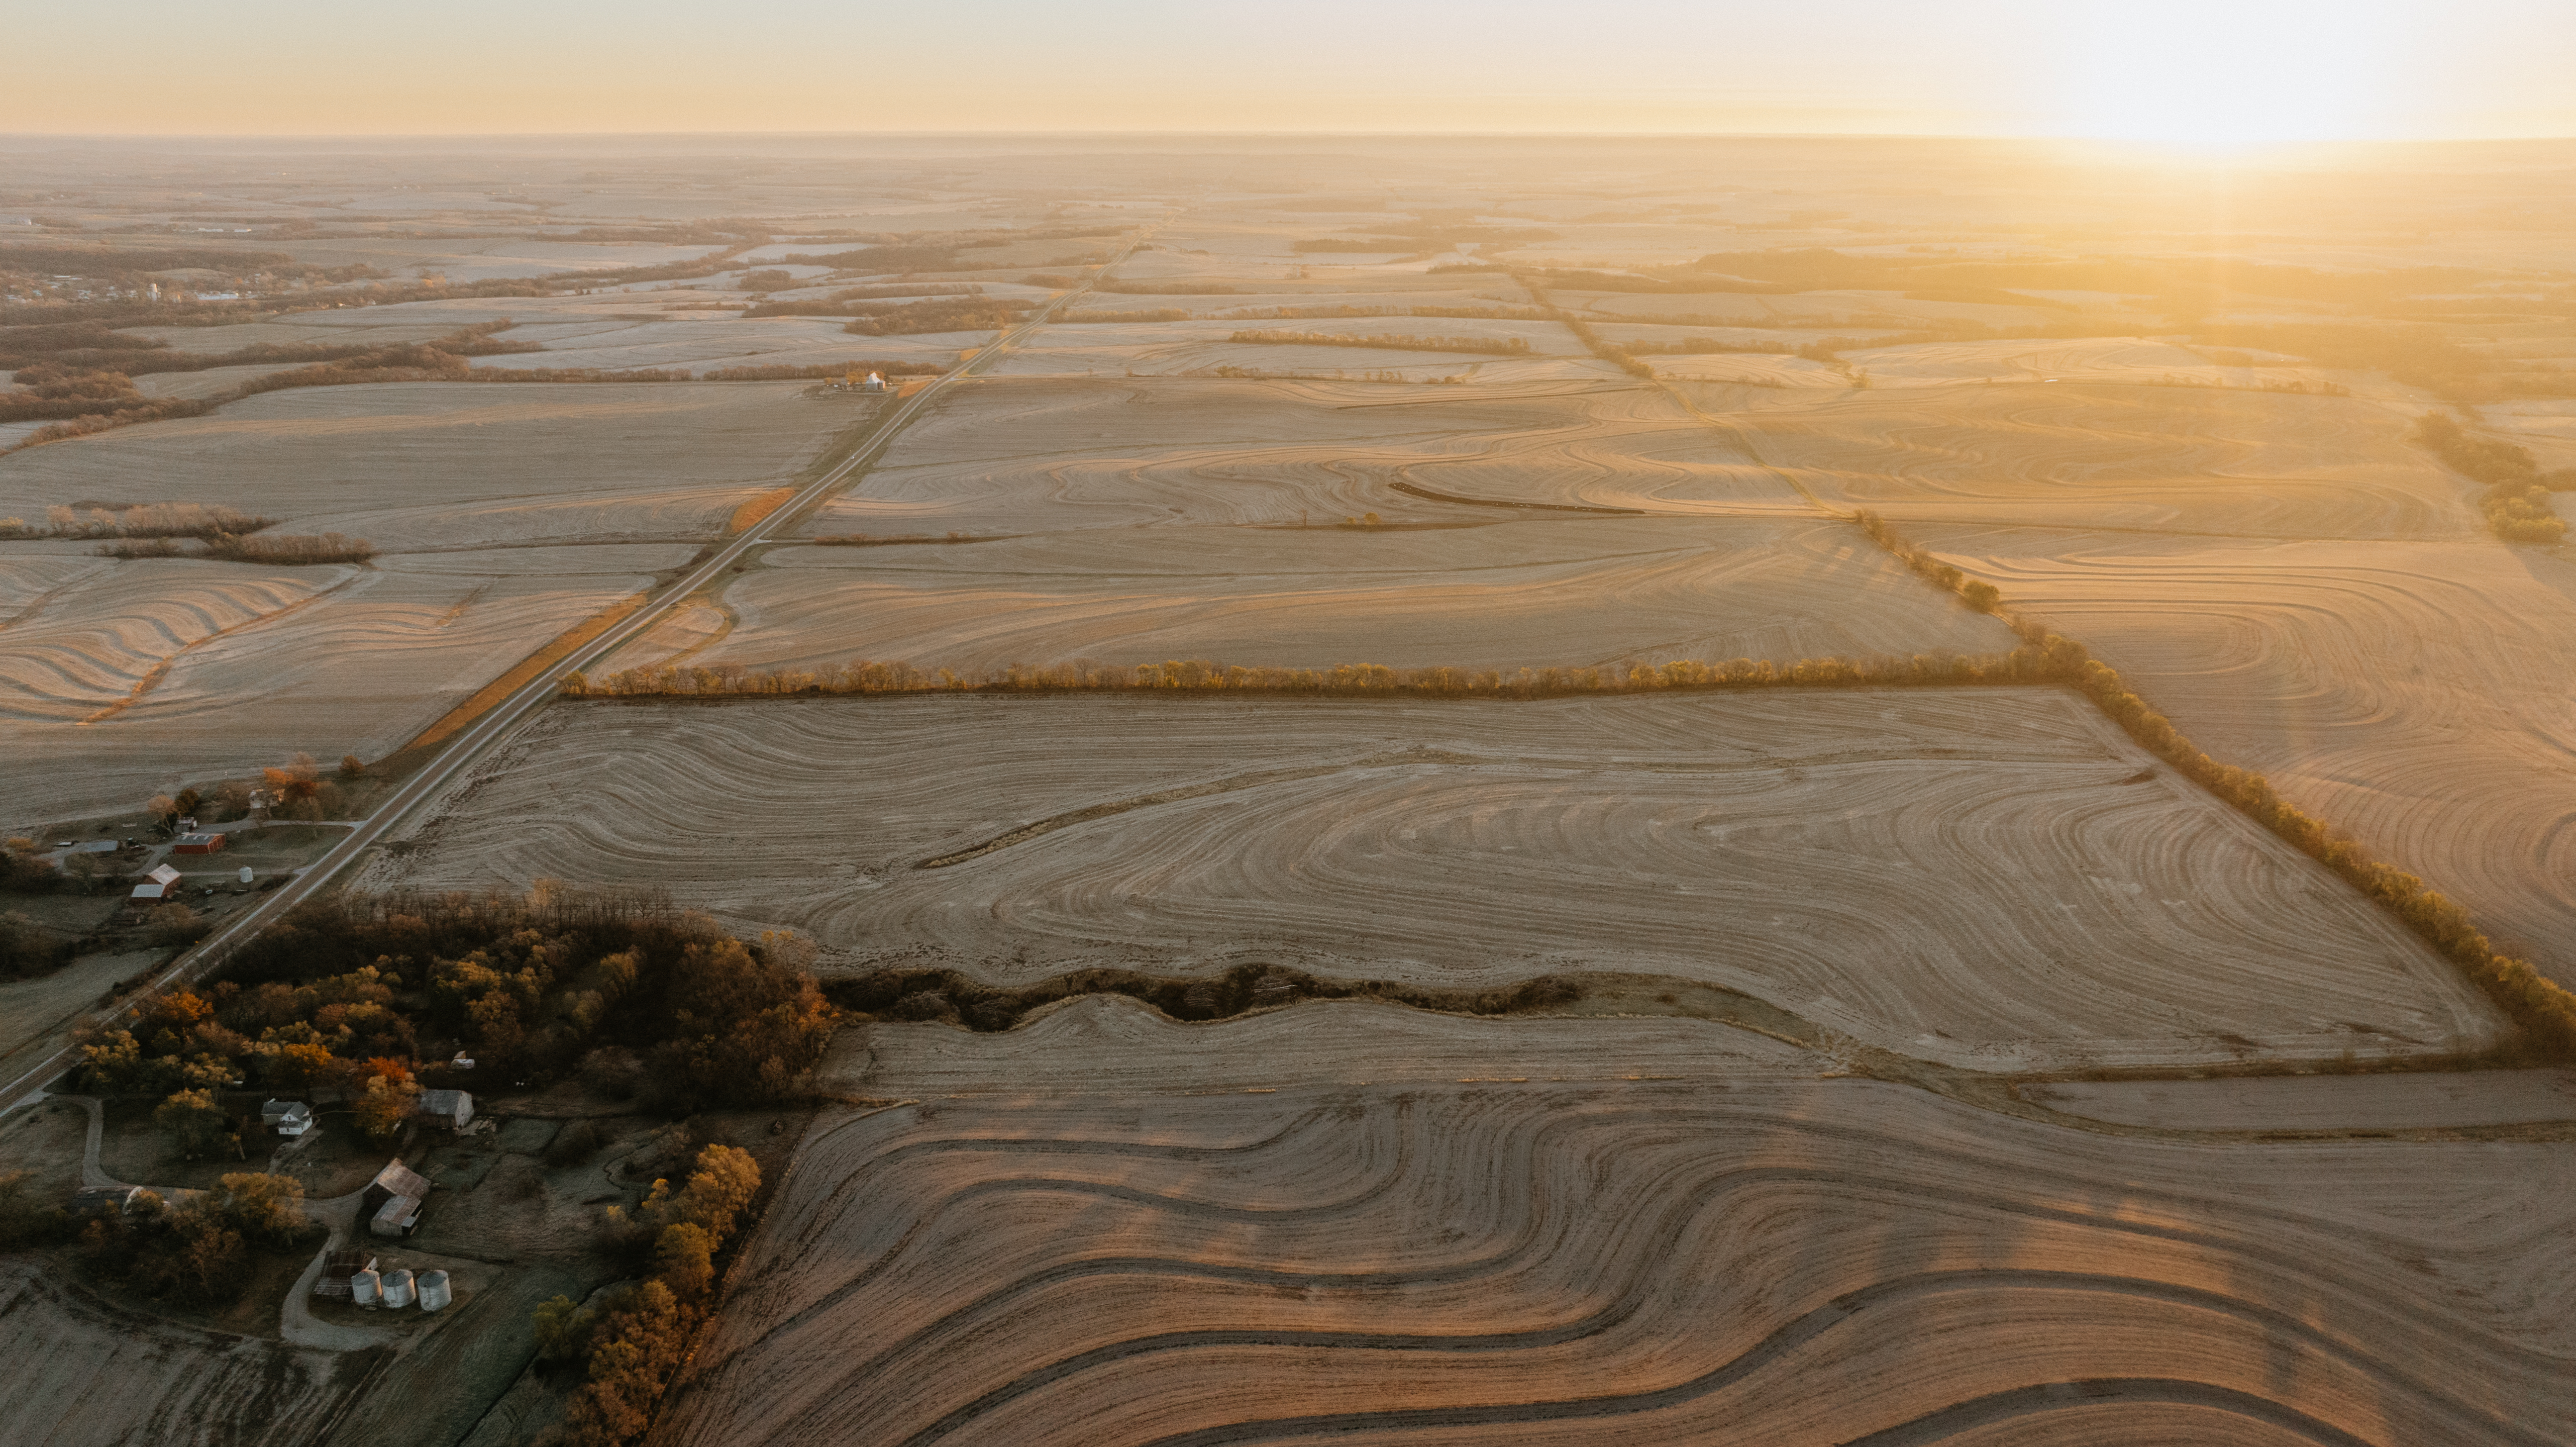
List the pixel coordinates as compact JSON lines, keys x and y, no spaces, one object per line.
{"x":433,"y":1290}
{"x":398,"y":1288}
{"x":366,"y":1288}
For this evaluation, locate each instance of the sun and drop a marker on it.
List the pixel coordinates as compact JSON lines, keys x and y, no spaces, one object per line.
{"x":2212,"y":75}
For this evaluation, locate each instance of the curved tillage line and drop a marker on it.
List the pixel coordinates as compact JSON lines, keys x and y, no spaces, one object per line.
{"x":152,"y":679}
{"x":1979,"y":878}
{"x":2126,"y":1392}
{"x":1359,"y":1198}
{"x":1780,"y":1344}
{"x":2413,"y":693}
{"x":1695,"y":1198}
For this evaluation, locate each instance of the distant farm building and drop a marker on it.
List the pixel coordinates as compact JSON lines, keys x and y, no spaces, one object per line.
{"x":287,"y":1117}
{"x":391,"y":1204}
{"x":161,"y":883}
{"x":453,"y":1109}
{"x":198,"y":844}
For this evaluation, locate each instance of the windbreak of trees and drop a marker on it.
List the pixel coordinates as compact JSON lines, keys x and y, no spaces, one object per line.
{"x":959,"y":314}
{"x":2545,"y":1011}
{"x":633,"y":1342}
{"x":286,"y":550}
{"x":2516,"y":500}
{"x":1347,"y":680}
{"x":135,"y":520}
{"x":1390,"y":342}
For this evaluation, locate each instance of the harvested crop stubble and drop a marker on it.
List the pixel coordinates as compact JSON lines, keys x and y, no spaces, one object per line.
{"x":1921,"y":868}
{"x":2089,"y":455}
{"x":2414,"y":694}
{"x":2322,"y":1102}
{"x":1606,"y":590}
{"x":83,"y":1374}
{"x":1032,"y":455}
{"x":413,"y":464}
{"x":151,"y":674}
{"x":1779,"y":1262}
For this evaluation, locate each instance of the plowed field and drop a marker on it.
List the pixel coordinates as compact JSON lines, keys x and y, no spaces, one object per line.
{"x":1986,"y":877}
{"x":2415,"y":694}
{"x":1780,"y":1262}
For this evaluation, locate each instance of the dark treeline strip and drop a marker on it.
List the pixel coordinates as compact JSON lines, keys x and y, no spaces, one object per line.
{"x":99,"y":383}
{"x":2545,"y":1011}
{"x":135,"y":520}
{"x":1390,"y":342}
{"x":1593,"y":342}
{"x":963,"y":314}
{"x":961,"y":999}
{"x":1347,"y":680}
{"x":280,"y":550}
{"x":1369,"y":244}
{"x":1096,"y":316}
{"x":125,"y":260}
{"x":1320,"y":313}
{"x":1162,"y":288}
{"x":2516,"y":500}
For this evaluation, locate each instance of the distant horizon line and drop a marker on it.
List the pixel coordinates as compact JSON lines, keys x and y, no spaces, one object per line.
{"x":2142,"y":143}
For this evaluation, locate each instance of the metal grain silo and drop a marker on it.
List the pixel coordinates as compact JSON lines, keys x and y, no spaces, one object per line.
{"x":433,"y":1290}
{"x":398,"y":1290}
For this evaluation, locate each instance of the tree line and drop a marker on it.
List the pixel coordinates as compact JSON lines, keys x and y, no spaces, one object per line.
{"x":1346,"y":680}
{"x":632,"y":1344}
{"x":1388,"y":341}
{"x":2516,"y":500}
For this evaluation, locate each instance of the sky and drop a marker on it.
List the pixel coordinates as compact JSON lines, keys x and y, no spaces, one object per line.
{"x":2193,"y":72}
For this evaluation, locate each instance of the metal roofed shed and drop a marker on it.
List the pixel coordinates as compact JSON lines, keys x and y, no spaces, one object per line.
{"x":340,"y":1270}
{"x":198,"y":844}
{"x":453,"y":1109}
{"x":158,"y":884}
{"x":391,"y":1204}
{"x":399,"y":1216}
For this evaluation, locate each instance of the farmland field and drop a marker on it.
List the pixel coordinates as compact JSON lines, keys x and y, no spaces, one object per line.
{"x":1859,"y":858}
{"x":1570,"y":1059}
{"x":2414,"y":693}
{"x":1482,"y":595}
{"x":413,"y":465}
{"x":1764,"y":1258}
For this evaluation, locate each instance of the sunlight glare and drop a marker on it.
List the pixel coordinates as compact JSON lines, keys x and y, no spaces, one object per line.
{"x":2215,"y":75}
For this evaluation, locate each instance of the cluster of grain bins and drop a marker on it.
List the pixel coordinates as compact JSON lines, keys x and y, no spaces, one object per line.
{"x":355,"y":1277}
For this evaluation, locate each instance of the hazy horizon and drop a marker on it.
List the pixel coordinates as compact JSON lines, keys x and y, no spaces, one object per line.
{"x":2194,"y":73}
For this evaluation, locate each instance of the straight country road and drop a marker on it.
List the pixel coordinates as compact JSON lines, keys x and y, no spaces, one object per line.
{"x":477,"y":739}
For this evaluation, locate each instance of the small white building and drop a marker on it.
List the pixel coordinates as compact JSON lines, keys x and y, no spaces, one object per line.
{"x":287,"y":1117}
